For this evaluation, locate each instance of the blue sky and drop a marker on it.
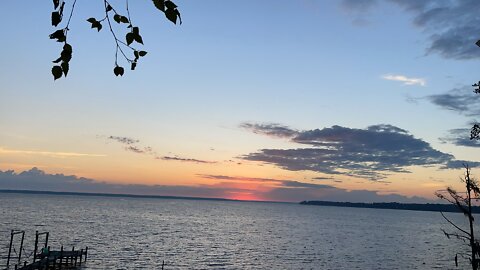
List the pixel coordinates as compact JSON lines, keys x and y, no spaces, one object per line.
{"x":304,"y":65}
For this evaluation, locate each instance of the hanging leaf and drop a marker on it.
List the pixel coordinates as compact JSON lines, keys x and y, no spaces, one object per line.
{"x":59,"y":35}
{"x":56,"y":18}
{"x":136,"y":30}
{"x":142,"y":53}
{"x":138,"y":39}
{"x":118,"y":70}
{"x":160,"y":4}
{"x":124,"y":19}
{"x":478,"y":43}
{"x":95,"y":23}
{"x":134,"y":65}
{"x":57,"y":60}
{"x":65,"y":68}
{"x":109,"y":8}
{"x":170,"y":5}
{"x":172,"y":15}
{"x":116,"y":18}
{"x":57,"y":72}
{"x":56,"y":3}
{"x":130,"y":37}
{"x":66,"y":54}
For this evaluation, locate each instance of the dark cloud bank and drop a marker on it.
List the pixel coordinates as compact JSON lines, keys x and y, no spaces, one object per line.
{"x":463,"y":101}
{"x":453,"y":26}
{"x":369,"y":153}
{"x":283,"y":190}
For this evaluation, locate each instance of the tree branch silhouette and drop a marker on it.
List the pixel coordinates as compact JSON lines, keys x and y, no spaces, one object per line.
{"x":62,"y":64}
{"x":464,"y":204}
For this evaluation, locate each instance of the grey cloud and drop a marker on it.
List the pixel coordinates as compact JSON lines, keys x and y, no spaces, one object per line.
{"x":132,"y":145}
{"x":279,"y":182}
{"x":124,"y":140}
{"x":238,"y":178}
{"x":270,"y":129}
{"x":453,"y":26}
{"x":293,"y":191}
{"x":460,"y":137}
{"x":323,"y":178}
{"x":370,"y":153}
{"x":35,"y":179}
{"x":461,"y":100}
{"x":185,"y":159}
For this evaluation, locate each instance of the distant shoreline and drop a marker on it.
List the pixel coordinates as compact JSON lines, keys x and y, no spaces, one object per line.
{"x":431,"y":207}
{"x":122,"y":195}
{"x":68,"y":193}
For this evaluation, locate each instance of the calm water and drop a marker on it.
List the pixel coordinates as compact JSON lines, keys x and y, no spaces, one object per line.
{"x":131,"y":233}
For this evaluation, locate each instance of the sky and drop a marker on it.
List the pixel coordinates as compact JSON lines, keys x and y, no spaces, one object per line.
{"x":348,"y":100}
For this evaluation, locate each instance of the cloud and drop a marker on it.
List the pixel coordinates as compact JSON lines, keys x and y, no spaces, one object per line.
{"x":460,"y":137}
{"x":371,"y":153}
{"x":132,"y":145}
{"x":35,"y":179}
{"x":185,"y":159}
{"x":124,"y":140}
{"x":275,"y":182}
{"x":405,"y":80}
{"x":452,"y":26}
{"x":282,"y":190}
{"x":323,"y":178}
{"x":270,"y":129}
{"x":461,"y":100}
{"x":49,"y":153}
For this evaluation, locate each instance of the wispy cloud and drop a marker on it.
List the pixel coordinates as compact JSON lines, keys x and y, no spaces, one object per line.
{"x":371,"y":153}
{"x":49,"y":153}
{"x":460,"y":137}
{"x":405,"y":80}
{"x":276,"y":182}
{"x":270,"y":129}
{"x":175,"y":158}
{"x":135,"y":146}
{"x":461,"y":100}
{"x":124,"y":140}
{"x":452,"y":26}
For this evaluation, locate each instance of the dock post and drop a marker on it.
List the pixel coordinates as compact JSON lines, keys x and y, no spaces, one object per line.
{"x":10,"y":248}
{"x":21,"y":247}
{"x":15,"y":267}
{"x":76,"y":257}
{"x":73,"y":250}
{"x":46,"y":239}
{"x":36,"y":247}
{"x":81,"y":255}
{"x":86,"y":253}
{"x":61,"y":255}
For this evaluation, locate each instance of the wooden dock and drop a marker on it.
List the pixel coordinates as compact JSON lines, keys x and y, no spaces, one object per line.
{"x":45,"y":259}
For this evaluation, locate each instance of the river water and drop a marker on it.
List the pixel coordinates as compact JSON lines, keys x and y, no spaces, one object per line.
{"x":140,"y":233}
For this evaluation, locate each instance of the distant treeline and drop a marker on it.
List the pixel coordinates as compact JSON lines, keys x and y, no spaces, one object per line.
{"x":436,"y":207}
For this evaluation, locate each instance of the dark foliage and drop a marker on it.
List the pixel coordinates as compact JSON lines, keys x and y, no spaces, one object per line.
{"x":122,"y":46}
{"x":463,"y":202}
